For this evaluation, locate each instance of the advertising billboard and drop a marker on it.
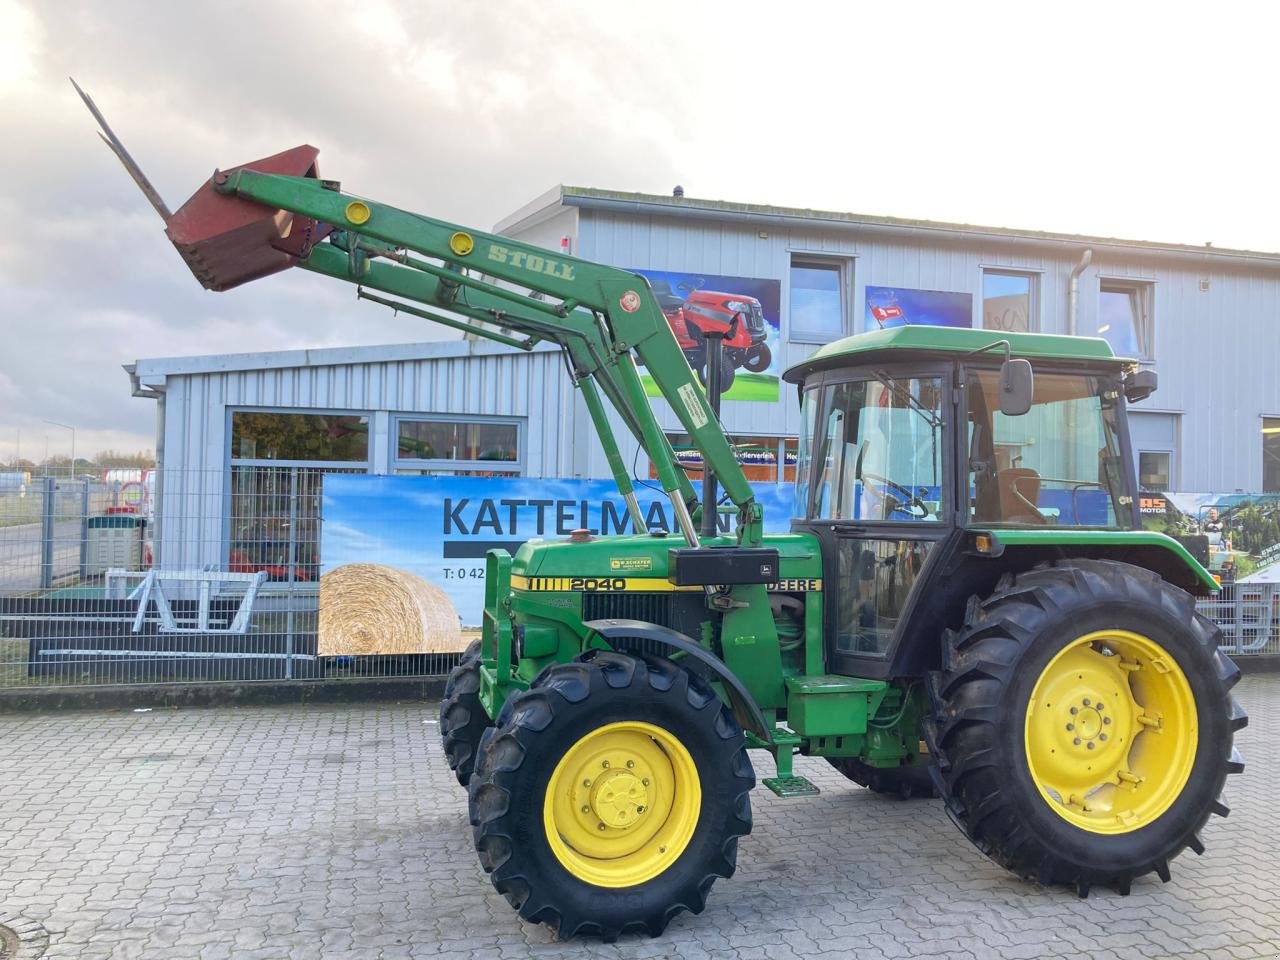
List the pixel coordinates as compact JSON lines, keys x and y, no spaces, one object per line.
{"x":697,"y":302}
{"x":901,"y":306}
{"x":433,"y":533}
{"x":1235,"y":535}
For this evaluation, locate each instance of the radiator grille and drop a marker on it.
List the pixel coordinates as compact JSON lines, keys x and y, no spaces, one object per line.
{"x":649,"y":607}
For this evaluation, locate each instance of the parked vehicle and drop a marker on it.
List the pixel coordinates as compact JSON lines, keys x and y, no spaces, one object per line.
{"x":937,"y":619}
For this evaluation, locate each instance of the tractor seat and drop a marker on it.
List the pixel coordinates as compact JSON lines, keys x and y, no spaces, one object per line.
{"x":1019,"y":489}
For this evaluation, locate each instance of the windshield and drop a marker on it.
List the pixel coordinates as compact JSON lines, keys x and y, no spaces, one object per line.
{"x":1058,"y":465}
{"x":878,"y":449}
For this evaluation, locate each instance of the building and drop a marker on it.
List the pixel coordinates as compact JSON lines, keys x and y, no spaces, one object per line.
{"x":1203,"y":317}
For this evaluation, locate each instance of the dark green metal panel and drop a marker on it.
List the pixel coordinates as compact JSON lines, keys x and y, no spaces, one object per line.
{"x":861,"y":347}
{"x":1067,"y":539}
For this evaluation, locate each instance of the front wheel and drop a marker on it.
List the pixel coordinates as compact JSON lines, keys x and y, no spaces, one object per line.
{"x":611,"y":795}
{"x":758,"y":358}
{"x":1084,"y":724}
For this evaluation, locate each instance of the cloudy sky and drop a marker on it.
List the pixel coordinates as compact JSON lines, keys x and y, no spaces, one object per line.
{"x":1151,"y":121}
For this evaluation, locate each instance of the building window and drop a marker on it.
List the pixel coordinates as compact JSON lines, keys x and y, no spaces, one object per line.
{"x":299,"y":437}
{"x":816,"y":311}
{"x":1154,"y":470}
{"x":1010,"y":301}
{"x":1124,"y":318}
{"x":763,"y":459}
{"x":457,"y":446}
{"x":1271,"y":454}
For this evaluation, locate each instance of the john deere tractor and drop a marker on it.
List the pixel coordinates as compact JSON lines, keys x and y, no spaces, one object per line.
{"x":965,"y":602}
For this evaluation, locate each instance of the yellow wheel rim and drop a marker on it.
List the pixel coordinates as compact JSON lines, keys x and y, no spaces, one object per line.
{"x":1111,"y":732}
{"x":622,"y":804}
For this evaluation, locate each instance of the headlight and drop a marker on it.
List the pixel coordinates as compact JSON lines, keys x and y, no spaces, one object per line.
{"x":738,"y":306}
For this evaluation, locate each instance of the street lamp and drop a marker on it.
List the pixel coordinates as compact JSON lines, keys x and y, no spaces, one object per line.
{"x":67,"y":426}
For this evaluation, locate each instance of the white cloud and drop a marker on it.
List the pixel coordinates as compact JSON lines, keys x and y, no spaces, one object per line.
{"x":1115,"y":120}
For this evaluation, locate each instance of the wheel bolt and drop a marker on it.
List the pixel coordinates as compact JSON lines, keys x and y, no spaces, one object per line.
{"x":586,"y":783}
{"x":639,"y":809}
{"x":1100,"y":706}
{"x":1090,"y":744}
{"x":1106,"y":719}
{"x":599,"y":826}
{"x":586,"y":808}
{"x":605,"y":764}
{"x":1071,"y":726}
{"x":1074,"y":711}
{"x":645,"y":781}
{"x":630,"y":763}
{"x":1102,"y":736}
{"x":1076,"y":741}
{"x":1086,"y":701}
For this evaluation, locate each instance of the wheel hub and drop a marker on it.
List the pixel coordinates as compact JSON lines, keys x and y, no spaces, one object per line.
{"x":1097,"y":744}
{"x":619,"y":798}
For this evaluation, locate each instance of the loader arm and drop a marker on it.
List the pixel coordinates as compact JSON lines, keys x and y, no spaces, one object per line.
{"x":599,"y":314}
{"x":275,"y":213}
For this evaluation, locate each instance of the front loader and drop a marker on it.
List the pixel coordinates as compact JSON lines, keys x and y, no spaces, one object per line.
{"x":965,"y":603}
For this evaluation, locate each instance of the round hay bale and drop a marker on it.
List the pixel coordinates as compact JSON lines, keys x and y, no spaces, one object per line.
{"x":368,"y":608}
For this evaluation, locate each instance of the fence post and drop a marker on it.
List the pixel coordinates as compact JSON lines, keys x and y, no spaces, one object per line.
{"x":49,"y":492}
{"x":293,"y":560}
{"x":84,"y":529}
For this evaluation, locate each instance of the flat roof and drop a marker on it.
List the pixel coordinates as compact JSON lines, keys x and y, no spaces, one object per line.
{"x":154,"y":370}
{"x":656,"y":204}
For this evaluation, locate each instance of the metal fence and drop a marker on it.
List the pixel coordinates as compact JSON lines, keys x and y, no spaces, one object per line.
{"x":1249,"y":615}
{"x":171,"y":576}
{"x":215,"y":576}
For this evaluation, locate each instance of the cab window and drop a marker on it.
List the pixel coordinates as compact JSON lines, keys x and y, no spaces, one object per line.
{"x":1058,"y":465}
{"x":879,"y":450}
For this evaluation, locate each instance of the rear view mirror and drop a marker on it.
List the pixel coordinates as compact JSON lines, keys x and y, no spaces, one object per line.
{"x":1017,"y":387}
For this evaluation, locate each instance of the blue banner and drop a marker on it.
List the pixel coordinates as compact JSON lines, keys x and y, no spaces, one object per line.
{"x":441,"y":527}
{"x":901,"y":307}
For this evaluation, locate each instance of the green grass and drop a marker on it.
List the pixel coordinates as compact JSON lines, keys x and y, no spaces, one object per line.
{"x":756,"y":387}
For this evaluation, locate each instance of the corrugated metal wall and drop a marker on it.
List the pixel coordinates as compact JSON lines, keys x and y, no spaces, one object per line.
{"x":1216,"y":351}
{"x":1215,"y":348}
{"x":481,"y":379}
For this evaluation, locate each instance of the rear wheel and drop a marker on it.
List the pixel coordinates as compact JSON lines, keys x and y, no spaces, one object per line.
{"x":908,"y":781}
{"x":1083,"y":728}
{"x":611,"y":796}
{"x":462,"y":716}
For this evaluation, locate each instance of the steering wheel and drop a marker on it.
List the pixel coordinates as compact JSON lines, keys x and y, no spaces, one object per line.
{"x":909,"y":503}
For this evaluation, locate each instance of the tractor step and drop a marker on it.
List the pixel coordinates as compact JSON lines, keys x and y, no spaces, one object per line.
{"x":793,"y":786}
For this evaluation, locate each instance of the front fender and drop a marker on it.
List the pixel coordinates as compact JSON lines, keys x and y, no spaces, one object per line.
{"x":638,"y":636}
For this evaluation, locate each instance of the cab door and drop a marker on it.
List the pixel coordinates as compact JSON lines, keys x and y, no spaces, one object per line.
{"x":874,"y":485}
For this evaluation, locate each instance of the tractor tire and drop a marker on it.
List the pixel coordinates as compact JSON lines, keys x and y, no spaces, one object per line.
{"x":1083,"y":724}
{"x":462,"y":717}
{"x":611,"y":795}
{"x":758,"y":358}
{"x":907,"y":782}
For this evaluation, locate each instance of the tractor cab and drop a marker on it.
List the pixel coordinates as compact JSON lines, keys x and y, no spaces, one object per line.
{"x":915,"y":438}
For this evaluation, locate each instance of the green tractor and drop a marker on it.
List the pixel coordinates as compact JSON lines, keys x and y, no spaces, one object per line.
{"x":965,"y":603}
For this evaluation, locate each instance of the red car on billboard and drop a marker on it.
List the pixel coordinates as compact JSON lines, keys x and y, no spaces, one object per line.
{"x":703,"y":311}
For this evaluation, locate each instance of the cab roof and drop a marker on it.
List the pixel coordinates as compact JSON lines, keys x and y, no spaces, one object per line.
{"x":917,"y":339}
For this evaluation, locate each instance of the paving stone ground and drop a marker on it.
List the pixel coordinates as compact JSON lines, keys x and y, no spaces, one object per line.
{"x":338,"y":832}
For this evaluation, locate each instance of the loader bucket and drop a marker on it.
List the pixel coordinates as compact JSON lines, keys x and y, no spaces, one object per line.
{"x":227,"y":241}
